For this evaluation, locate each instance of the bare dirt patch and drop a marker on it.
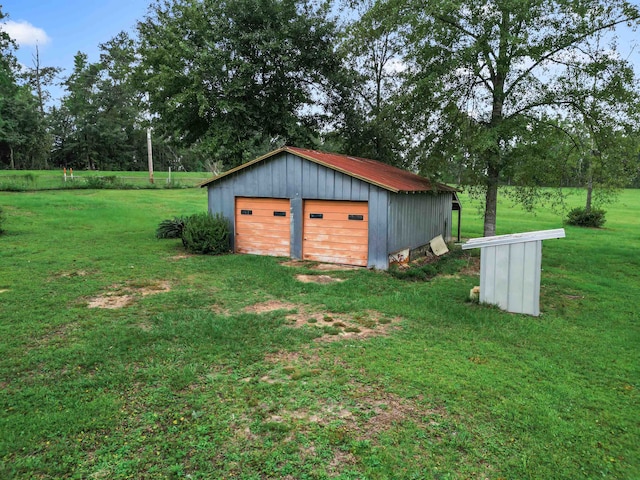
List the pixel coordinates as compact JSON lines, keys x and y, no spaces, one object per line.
{"x":332,"y":326}
{"x":219,"y":309}
{"x":74,"y":273}
{"x":270,"y":306}
{"x":144,"y":326}
{"x":180,"y":256}
{"x":297,"y":263}
{"x":341,"y":326}
{"x":472,"y":268}
{"x":333,"y":267}
{"x":122,"y":296}
{"x":111,"y":301}
{"x":321,"y":279}
{"x":340,"y":461}
{"x":322,"y":267}
{"x":367,"y":414}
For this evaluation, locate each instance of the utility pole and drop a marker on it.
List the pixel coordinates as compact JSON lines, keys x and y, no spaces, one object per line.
{"x":150,"y":154}
{"x":149,"y":147}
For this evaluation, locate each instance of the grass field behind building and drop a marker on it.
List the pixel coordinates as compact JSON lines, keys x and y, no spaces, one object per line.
{"x":230,"y":367}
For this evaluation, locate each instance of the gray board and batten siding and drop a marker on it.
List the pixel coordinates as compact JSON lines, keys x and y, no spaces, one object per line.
{"x":396,"y":220}
{"x":412,"y":216}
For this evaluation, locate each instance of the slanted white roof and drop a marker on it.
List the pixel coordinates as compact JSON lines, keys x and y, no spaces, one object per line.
{"x":513,"y":238}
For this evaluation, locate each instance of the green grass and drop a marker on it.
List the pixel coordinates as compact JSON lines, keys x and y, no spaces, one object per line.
{"x":188,"y":383}
{"x":34,"y":180}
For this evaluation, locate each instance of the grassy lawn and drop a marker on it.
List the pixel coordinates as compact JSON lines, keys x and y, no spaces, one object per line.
{"x":32,"y":180}
{"x":229,"y":367}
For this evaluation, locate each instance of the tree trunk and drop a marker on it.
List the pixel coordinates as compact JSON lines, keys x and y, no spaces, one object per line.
{"x":491,"y":203}
{"x":12,"y":164}
{"x":587,"y":207}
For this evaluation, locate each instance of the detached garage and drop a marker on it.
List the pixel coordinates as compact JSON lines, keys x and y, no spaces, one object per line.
{"x":332,"y":208}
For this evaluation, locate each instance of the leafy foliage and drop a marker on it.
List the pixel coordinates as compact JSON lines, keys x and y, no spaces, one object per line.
{"x":486,"y":80}
{"x":237,"y":78}
{"x":2,"y":219}
{"x":581,"y":217}
{"x":22,"y":129}
{"x":207,"y":234}
{"x":171,"y":228}
{"x":99,"y":123}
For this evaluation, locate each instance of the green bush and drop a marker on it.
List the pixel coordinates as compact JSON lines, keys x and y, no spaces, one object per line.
{"x":171,"y":228}
{"x":2,"y":219}
{"x":206,"y":233}
{"x":581,"y":218}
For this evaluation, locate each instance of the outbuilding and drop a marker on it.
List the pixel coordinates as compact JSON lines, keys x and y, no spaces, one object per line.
{"x":311,"y":205}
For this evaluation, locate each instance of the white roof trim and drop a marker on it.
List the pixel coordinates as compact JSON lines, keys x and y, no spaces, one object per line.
{"x":514,"y":238}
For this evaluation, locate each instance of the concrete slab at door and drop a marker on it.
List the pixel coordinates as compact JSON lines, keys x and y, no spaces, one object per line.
{"x":263,"y":226}
{"x":336,"y":232}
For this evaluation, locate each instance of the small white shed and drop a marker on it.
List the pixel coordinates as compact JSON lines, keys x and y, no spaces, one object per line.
{"x":510,"y":268}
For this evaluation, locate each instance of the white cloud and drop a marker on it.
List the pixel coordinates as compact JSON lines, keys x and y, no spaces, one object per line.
{"x":25,"y":34}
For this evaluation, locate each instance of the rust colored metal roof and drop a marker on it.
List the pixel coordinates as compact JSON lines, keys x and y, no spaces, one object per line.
{"x":371,"y":171}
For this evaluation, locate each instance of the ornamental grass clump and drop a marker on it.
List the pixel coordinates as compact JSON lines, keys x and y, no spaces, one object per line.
{"x":171,"y":228}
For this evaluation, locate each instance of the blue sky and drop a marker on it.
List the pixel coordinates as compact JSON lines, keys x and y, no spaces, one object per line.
{"x":64,"y":27}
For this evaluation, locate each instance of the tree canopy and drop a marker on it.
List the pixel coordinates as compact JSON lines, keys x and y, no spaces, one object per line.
{"x":486,"y":80}
{"x":233,"y":76}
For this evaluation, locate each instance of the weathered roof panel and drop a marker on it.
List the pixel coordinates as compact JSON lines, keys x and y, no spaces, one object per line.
{"x":371,"y":171}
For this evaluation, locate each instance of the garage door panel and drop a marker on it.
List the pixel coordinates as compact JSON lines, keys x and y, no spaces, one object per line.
{"x":339,"y":248}
{"x":336,"y":205}
{"x":259,"y":230}
{"x":336,"y":216}
{"x":267,"y":229}
{"x":335,"y":232}
{"x":261,"y":213}
{"x":331,"y":236}
{"x":360,"y":261}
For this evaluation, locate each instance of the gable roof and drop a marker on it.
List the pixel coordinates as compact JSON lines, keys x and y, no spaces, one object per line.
{"x":371,"y":171}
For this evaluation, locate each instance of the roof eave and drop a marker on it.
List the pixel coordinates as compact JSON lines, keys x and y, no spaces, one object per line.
{"x":324,"y":164}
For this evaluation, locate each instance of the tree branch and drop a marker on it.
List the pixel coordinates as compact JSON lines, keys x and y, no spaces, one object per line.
{"x":564,"y":46}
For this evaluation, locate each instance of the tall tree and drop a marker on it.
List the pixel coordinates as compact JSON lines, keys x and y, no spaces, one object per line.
{"x":99,"y":124}
{"x":368,"y":121}
{"x":23,"y":139}
{"x":483,"y":75}
{"x":236,"y":77}
{"x":80,"y":105}
{"x":40,"y":78}
{"x":8,"y":90}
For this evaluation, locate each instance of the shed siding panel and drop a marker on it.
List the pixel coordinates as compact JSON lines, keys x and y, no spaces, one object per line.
{"x":378,"y":215}
{"x":296,"y":227}
{"x":417,"y":218}
{"x":510,"y":276}
{"x":221,"y":201}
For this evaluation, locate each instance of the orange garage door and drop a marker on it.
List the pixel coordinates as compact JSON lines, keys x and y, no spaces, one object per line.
{"x":263,"y":226}
{"x":336,"y":232}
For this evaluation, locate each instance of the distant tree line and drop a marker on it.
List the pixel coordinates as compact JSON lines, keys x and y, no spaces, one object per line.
{"x":526,"y":93}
